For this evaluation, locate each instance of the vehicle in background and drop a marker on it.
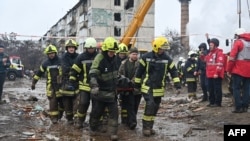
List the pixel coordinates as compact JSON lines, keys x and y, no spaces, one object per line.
{"x":16,"y":68}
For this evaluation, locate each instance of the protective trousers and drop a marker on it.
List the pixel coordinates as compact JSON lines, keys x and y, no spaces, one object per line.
{"x":124,"y":107}
{"x":97,"y":111}
{"x":131,"y":102}
{"x":241,"y":89}
{"x":151,"y":109}
{"x":192,"y":87}
{"x":55,"y":106}
{"x":204,"y":85}
{"x":68,"y":103}
{"x":2,"y":79}
{"x":83,"y":105}
{"x":215,"y":91}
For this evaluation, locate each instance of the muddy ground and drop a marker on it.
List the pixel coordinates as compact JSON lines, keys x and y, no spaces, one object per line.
{"x":23,"y":117}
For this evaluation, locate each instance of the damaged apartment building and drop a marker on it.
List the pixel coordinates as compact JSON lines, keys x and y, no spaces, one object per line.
{"x":100,"y":19}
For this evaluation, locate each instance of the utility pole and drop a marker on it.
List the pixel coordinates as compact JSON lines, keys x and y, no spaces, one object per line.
{"x":239,"y":11}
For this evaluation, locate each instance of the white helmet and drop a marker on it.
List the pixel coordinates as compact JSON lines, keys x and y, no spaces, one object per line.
{"x":181,"y":58}
{"x":90,"y":43}
{"x":183,"y":62}
{"x":191,"y":52}
{"x":239,"y":31}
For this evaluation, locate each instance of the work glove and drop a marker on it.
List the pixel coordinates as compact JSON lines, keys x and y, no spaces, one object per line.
{"x":137,"y":91}
{"x":195,"y":73}
{"x":33,"y":87}
{"x":124,"y":82}
{"x":94,"y":90}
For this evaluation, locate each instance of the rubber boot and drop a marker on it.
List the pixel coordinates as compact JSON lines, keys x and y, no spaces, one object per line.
{"x":60,"y":115}
{"x":79,"y":123}
{"x":192,"y":96}
{"x":114,"y":138}
{"x":54,"y":119}
{"x":152,"y":132}
{"x":146,"y":132}
{"x":69,"y":118}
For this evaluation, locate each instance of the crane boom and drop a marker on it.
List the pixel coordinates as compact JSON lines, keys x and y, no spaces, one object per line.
{"x":137,"y":21}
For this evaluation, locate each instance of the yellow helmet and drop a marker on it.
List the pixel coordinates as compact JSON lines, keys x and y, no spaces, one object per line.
{"x":71,"y":43}
{"x":160,"y":42}
{"x":50,"y":49}
{"x":122,"y":48}
{"x":110,"y":44}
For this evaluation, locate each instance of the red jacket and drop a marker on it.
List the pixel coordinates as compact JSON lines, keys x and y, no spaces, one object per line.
{"x":214,"y":63}
{"x":236,"y":66}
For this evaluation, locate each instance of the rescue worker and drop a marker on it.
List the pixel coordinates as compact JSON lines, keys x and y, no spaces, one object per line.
{"x":214,"y":72}
{"x":4,"y":64}
{"x":155,"y":65}
{"x":121,"y":55}
{"x":201,"y":69}
{"x":103,"y":80}
{"x":69,"y":94}
{"x":80,"y":72}
{"x":191,"y":74}
{"x":239,"y":67}
{"x":130,"y":98}
{"x":51,"y":66}
{"x":180,"y":69}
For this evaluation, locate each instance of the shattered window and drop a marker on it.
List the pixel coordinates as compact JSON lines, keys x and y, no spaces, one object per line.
{"x":117,"y":31}
{"x":117,"y":16}
{"x":129,"y":4}
{"x":117,"y":2}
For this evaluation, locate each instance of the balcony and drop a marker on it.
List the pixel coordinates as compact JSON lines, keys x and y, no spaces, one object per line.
{"x":83,"y":24}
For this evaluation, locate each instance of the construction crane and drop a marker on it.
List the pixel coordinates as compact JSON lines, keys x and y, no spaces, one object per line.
{"x":136,"y":22}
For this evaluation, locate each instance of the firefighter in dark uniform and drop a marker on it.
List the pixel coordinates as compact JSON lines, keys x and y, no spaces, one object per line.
{"x":51,"y":66}
{"x":4,"y":64}
{"x":130,"y":98}
{"x":155,"y":65}
{"x":191,"y":74}
{"x":201,"y":68}
{"x":69,"y":94}
{"x":103,"y":80}
{"x":180,"y":70}
{"x":80,"y":72}
{"x":121,"y":55}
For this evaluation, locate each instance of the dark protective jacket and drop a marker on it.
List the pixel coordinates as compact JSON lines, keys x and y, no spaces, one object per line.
{"x":201,"y":64}
{"x":2,"y":66}
{"x":119,"y":60}
{"x":190,"y":68}
{"x":103,"y":73}
{"x":67,"y":62}
{"x":156,"y":67}
{"x":127,"y":70}
{"x":180,"y":68}
{"x":53,"y":70}
{"x":80,"y":70}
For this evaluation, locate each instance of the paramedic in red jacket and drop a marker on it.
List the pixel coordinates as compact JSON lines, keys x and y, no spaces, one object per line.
{"x":214,"y":72}
{"x":239,"y":68}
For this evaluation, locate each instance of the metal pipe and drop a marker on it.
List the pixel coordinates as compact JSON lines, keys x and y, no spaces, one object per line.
{"x":239,"y":11}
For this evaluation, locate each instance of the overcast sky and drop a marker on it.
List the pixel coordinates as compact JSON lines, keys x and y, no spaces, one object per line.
{"x":216,"y":17}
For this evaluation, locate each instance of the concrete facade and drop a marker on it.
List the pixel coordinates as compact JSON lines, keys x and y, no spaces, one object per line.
{"x":100,"y":19}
